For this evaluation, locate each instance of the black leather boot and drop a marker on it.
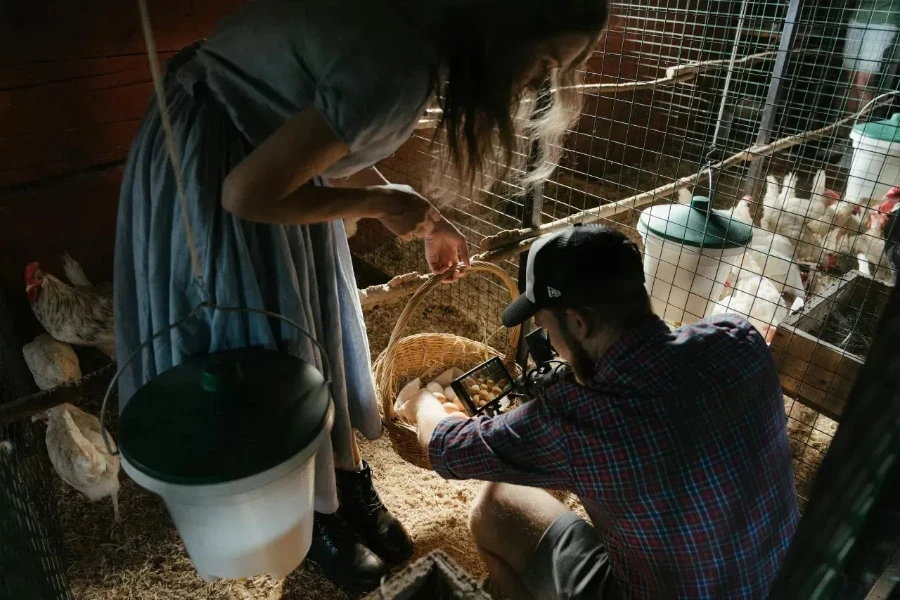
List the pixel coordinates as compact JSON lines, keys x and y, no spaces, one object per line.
{"x":345,"y":561}
{"x":362,"y":509}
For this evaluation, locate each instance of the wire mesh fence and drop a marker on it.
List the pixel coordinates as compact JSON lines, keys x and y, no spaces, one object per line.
{"x":32,"y":558}
{"x":783,"y":78}
{"x":31,"y":549}
{"x":731,"y":75}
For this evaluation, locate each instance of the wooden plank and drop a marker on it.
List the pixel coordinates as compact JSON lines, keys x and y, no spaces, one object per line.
{"x":814,"y":315}
{"x":73,"y":115}
{"x":74,"y":79}
{"x":44,"y":155}
{"x":813,"y":371}
{"x":56,"y":29}
{"x":790,"y":386}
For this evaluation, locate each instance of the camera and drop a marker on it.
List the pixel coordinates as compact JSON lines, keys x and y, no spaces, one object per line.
{"x":488,"y":388}
{"x":548,"y":370}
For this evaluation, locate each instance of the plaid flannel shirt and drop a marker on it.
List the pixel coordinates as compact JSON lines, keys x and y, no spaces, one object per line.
{"x":677,"y":448}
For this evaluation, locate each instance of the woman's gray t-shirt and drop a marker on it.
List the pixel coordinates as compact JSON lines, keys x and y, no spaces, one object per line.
{"x":366,"y":66}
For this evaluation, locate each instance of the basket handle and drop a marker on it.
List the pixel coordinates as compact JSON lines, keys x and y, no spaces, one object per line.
{"x":386,"y":364}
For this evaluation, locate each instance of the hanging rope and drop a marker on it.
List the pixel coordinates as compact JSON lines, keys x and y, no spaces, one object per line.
{"x":206,"y":300}
{"x":171,"y":146}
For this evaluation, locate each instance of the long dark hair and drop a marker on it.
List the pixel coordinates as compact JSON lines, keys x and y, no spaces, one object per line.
{"x":487,"y":125}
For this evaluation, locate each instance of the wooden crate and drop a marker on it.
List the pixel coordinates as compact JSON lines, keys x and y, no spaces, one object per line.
{"x":432,"y":577}
{"x":814,"y":371}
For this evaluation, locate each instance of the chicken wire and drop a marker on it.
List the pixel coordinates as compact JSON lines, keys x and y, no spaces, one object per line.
{"x":31,"y":551}
{"x":32,"y":561}
{"x":636,"y":140}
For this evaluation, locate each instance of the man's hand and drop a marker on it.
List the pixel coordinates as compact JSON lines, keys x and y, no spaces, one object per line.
{"x":427,"y":411}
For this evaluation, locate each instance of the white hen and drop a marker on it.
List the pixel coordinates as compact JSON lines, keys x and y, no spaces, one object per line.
{"x":862,"y":242}
{"x":51,"y":362}
{"x":803,"y":221}
{"x":769,"y":255}
{"x":756,"y":299}
{"x":79,"y":456}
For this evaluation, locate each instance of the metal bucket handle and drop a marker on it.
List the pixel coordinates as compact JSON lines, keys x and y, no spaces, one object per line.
{"x":204,"y":305}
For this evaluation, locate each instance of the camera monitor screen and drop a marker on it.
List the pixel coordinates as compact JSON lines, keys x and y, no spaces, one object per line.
{"x":483,"y":388}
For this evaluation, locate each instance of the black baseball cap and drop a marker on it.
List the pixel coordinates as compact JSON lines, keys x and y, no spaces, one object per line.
{"x":582,"y":266}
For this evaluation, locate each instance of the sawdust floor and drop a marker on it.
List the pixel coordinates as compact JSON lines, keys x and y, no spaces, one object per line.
{"x":144,"y":558}
{"x":810,"y":435}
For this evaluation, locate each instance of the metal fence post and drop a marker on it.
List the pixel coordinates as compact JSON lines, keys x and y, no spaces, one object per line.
{"x":531,"y":217}
{"x":767,"y":124}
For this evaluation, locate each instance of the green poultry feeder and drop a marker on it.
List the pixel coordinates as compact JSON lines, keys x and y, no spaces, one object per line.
{"x":229,"y":441}
{"x":688,"y":252}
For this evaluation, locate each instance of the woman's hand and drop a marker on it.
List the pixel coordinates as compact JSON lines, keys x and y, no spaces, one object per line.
{"x":445,"y":249}
{"x":409,"y":215}
{"x":406,"y":213}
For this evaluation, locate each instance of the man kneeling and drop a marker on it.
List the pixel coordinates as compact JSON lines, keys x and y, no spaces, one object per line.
{"x":674,"y":441}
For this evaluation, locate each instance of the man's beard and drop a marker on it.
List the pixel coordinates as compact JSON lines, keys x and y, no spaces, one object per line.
{"x":582,"y":364}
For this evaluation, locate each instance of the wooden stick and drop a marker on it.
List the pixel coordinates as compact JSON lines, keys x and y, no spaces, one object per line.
{"x":71,"y":393}
{"x":396,"y":288}
{"x":508,"y":244}
{"x":506,"y":239}
{"x":675,"y":74}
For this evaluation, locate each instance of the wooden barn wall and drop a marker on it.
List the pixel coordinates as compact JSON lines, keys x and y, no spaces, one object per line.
{"x":74,"y":83}
{"x":644,"y":38}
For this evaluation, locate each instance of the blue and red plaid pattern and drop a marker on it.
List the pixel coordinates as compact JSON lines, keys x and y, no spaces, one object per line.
{"x":677,"y":448}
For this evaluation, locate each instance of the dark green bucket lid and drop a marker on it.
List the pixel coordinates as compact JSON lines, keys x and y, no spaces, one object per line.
{"x":224,"y":416}
{"x":697,"y":225}
{"x":887,"y":130}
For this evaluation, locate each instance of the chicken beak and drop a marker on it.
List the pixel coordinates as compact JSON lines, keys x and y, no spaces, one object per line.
{"x":30,"y":287}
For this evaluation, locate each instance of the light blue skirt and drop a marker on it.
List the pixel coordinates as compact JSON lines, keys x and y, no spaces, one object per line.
{"x":301,"y":272}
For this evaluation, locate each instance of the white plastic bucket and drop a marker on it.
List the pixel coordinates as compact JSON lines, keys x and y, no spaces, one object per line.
{"x":253,"y":526}
{"x":874,"y":170}
{"x":684,"y":282}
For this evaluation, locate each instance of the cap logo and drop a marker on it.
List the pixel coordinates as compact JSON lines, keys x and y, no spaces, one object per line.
{"x":553,"y":292}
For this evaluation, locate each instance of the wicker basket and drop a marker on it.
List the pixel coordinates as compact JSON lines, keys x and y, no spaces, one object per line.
{"x":427,"y":355}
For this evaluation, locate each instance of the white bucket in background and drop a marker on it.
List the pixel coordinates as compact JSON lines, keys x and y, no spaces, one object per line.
{"x":684,"y":282}
{"x":251,"y":526}
{"x":875,"y":167}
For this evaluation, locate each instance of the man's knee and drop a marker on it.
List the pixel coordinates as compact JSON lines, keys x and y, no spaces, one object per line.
{"x":509,"y":520}
{"x":483,"y":516}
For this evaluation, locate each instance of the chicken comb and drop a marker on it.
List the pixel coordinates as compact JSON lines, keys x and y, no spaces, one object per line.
{"x":879,"y":218}
{"x":890,"y":202}
{"x":31,"y":270}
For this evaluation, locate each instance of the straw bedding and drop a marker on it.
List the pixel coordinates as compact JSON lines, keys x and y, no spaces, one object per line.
{"x":143,"y":557}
